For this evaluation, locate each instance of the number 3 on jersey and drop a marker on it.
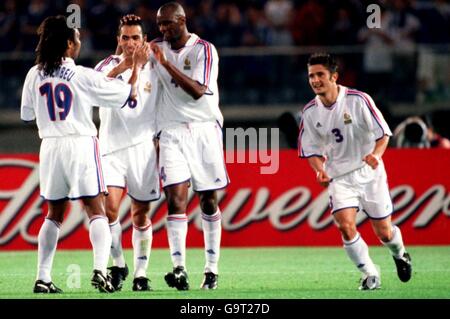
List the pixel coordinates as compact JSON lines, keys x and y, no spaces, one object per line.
{"x":61,"y":95}
{"x":337,"y":133}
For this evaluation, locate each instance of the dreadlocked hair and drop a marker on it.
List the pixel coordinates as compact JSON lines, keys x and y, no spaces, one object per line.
{"x":130,"y":19}
{"x":53,"y":36}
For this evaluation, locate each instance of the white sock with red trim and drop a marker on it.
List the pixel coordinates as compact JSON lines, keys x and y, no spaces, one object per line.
{"x":176,"y":232}
{"x":358,"y":252}
{"x":395,"y":245}
{"x":47,"y":242}
{"x":116,"y":244}
{"x":100,"y":237}
{"x":142,"y":242}
{"x":212,"y":231}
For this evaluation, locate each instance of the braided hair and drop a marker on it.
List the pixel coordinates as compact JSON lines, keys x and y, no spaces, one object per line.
{"x":53,"y":36}
{"x":130,"y":19}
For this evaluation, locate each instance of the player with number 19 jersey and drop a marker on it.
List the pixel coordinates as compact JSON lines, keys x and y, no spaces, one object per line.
{"x":343,"y":133}
{"x":63,"y":103}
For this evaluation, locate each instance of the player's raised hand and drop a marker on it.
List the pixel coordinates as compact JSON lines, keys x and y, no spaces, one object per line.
{"x":372,"y":160}
{"x":159,"y":54}
{"x":323,"y":179}
{"x":141,"y":54}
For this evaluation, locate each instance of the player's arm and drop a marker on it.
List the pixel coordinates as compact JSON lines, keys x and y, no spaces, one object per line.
{"x":27,"y":113}
{"x":379,"y":127}
{"x":374,"y":158}
{"x":140,"y":57}
{"x":316,"y":162}
{"x":190,"y":86}
{"x":124,"y":65}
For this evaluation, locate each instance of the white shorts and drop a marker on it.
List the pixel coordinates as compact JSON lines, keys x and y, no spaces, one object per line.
{"x":70,"y":168}
{"x":136,"y":169}
{"x":193,"y":152}
{"x":365,"y":189}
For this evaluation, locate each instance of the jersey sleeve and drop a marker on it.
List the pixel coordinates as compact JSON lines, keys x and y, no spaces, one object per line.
{"x":106,"y":91}
{"x":107,"y":64}
{"x":309,"y":141}
{"x":27,"y":104}
{"x":374,"y":119}
{"x":207,"y":64}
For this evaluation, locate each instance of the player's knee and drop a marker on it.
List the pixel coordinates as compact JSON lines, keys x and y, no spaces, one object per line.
{"x":385,"y":235}
{"x":177,"y":205}
{"x":112,"y":212}
{"x":139,"y":213}
{"x":348,"y":230}
{"x":208,"y":205}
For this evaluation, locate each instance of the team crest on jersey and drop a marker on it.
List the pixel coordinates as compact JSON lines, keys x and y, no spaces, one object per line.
{"x":148,"y":87}
{"x":187,"y":64}
{"x":347,"y":118}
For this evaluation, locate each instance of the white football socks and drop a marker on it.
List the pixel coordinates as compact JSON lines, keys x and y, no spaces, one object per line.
{"x":212,"y":230}
{"x":358,"y":252}
{"x":142,"y":242}
{"x":116,"y":244}
{"x":177,"y":225}
{"x":100,"y":237}
{"x":47,"y":242}
{"x":395,"y":245}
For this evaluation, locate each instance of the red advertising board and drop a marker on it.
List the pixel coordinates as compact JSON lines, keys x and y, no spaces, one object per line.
{"x":287,"y":208}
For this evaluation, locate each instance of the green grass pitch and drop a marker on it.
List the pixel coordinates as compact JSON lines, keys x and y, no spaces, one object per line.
{"x":250,"y":273}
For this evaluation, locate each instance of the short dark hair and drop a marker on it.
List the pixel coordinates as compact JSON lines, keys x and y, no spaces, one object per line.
{"x":53,"y":36}
{"x":325,"y":59}
{"x":130,"y":19}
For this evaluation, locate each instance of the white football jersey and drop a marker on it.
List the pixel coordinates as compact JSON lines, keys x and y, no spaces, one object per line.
{"x":121,"y":128}
{"x":343,"y":133}
{"x":199,"y":60}
{"x":62,"y":103}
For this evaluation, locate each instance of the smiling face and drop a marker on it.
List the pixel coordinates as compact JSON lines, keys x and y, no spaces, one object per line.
{"x":170,"y":24}
{"x":321,"y":80}
{"x":130,"y":38}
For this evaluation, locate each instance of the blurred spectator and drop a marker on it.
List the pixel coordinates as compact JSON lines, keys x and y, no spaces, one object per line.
{"x":204,"y":22}
{"x":279,"y":15}
{"x":102,"y":23}
{"x":412,"y":132}
{"x":377,"y":59}
{"x":9,"y":27}
{"x":228,"y":25}
{"x":289,"y":125}
{"x":256,"y":31}
{"x":36,"y":12}
{"x":309,"y":23}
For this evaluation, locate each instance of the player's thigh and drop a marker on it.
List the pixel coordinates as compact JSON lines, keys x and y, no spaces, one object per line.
{"x":142,"y":172}
{"x":173,"y":165}
{"x":375,"y":198}
{"x":206,"y":158}
{"x":114,"y":169}
{"x":343,"y":195}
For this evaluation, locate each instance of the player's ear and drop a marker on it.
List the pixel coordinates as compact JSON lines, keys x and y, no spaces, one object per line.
{"x":145,"y":38}
{"x":334,"y":76}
